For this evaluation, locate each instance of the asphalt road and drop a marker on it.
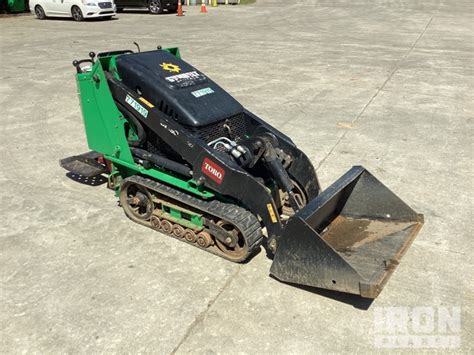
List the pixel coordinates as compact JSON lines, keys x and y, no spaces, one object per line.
{"x":386,"y":84}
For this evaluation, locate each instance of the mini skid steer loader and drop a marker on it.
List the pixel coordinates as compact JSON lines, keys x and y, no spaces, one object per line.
{"x":186,"y":159}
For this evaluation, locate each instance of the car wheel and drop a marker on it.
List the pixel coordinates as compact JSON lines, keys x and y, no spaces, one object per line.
{"x":154,"y":6}
{"x":119,"y":9}
{"x":77,"y":14}
{"x":107,"y":17}
{"x":39,"y":12}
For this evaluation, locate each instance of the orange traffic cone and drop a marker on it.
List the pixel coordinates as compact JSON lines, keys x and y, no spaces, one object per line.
{"x":180,"y":9}
{"x":203,"y":7}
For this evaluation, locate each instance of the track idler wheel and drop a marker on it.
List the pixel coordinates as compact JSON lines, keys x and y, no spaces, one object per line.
{"x":204,"y":239}
{"x":178,"y":231}
{"x":189,"y":235}
{"x":166,"y":226}
{"x":136,"y":201}
{"x":155,"y":222}
{"x":240,"y":249}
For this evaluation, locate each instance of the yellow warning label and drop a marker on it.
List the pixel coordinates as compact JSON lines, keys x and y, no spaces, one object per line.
{"x":173,"y":68}
{"x":146,"y":102}
{"x":272,"y":213}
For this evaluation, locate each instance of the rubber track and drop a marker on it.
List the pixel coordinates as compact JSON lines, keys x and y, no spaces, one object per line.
{"x":244,"y":220}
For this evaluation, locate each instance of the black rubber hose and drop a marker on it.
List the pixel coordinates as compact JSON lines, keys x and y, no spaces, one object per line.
{"x":279,"y":173}
{"x":162,"y":161}
{"x":136,"y":122}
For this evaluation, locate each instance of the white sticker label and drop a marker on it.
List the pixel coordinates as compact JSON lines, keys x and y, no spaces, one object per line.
{"x":202,"y":92}
{"x":139,"y":108}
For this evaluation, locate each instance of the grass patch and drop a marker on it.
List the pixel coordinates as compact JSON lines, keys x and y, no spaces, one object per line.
{"x":246,"y":2}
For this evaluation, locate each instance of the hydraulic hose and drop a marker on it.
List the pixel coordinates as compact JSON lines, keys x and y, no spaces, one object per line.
{"x":279,"y":173}
{"x":162,"y":161}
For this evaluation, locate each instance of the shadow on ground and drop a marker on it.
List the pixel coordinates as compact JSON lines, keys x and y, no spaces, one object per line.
{"x":90,"y":181}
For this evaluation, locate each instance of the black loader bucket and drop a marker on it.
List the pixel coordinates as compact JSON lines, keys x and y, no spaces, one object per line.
{"x":350,"y":238}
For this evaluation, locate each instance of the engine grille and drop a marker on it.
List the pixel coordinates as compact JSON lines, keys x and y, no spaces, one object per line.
{"x":233,"y":127}
{"x":236,"y":124}
{"x":105,"y":5}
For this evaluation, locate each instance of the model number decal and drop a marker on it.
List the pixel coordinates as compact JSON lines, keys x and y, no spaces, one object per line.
{"x":202,"y":92}
{"x":139,"y":108}
{"x":214,"y":171}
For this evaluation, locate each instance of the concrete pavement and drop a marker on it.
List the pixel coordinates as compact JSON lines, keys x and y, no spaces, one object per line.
{"x":387,"y":85}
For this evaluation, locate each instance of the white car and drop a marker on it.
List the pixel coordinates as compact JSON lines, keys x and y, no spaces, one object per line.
{"x":77,"y":9}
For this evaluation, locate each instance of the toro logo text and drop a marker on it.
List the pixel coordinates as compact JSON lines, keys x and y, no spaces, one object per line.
{"x":214,"y":171}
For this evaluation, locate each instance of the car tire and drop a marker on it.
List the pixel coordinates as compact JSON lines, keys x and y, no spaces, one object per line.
{"x":119,"y":10}
{"x":173,"y":9}
{"x":39,"y":12}
{"x":106,"y":18}
{"x":77,"y":14}
{"x":155,"y":7}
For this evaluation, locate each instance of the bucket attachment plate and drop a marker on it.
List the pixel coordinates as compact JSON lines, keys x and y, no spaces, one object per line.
{"x":349,"y":238}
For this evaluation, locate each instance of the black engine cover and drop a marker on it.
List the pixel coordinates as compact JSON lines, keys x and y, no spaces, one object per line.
{"x":176,"y":88}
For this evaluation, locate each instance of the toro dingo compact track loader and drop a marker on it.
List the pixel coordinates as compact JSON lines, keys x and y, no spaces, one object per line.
{"x":186,"y":159}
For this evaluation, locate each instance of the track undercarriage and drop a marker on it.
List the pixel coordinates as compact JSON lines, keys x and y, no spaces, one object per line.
{"x":223,"y":229}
